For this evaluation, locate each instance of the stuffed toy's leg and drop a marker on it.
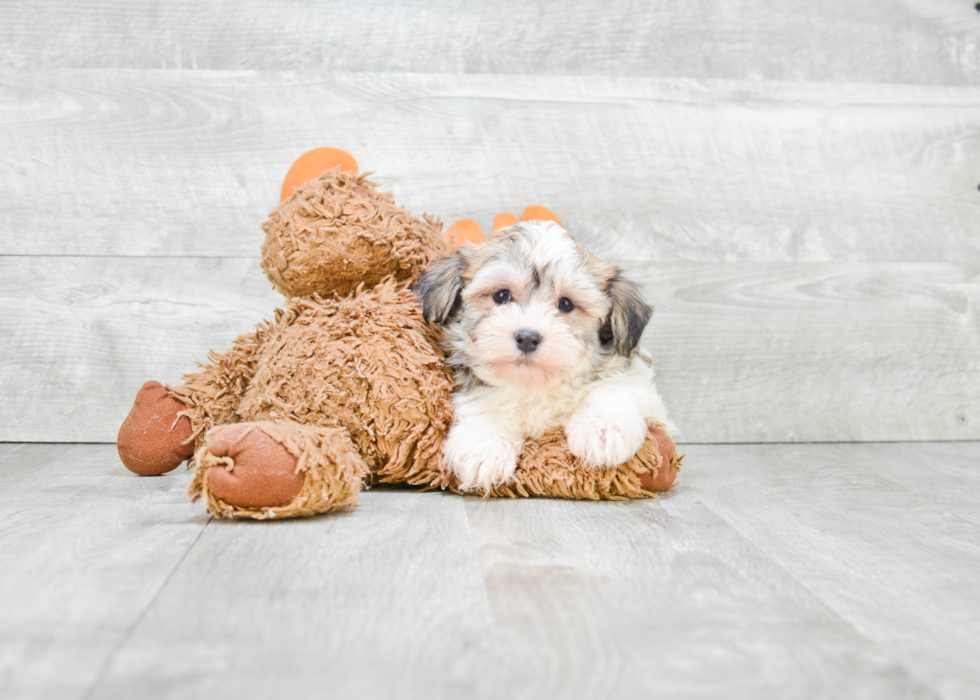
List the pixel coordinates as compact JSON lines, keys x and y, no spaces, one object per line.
{"x":546,"y":468}
{"x":166,"y":423}
{"x":265,"y":470}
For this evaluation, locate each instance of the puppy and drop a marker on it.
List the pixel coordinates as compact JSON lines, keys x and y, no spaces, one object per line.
{"x":540,"y":334}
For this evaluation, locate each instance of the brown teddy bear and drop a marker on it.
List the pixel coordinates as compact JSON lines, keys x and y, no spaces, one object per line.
{"x":347,"y":385}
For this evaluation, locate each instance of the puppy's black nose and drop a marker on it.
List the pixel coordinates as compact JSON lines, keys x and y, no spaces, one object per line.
{"x":527,"y":341}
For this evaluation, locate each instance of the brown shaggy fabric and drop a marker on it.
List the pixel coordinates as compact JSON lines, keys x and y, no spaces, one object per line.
{"x":338,"y":231}
{"x":367,"y":363}
{"x":212,"y":395}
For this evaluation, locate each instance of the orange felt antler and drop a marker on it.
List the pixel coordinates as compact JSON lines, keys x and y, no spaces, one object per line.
{"x":503,"y":221}
{"x":464,"y":231}
{"x":536,"y":212}
{"x":468,"y":231}
{"x":312,"y":165}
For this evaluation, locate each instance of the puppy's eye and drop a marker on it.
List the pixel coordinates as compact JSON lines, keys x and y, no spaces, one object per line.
{"x":565,"y":305}
{"x":502,"y":296}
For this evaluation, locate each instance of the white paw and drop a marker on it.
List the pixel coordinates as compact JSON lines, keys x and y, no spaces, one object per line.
{"x":480,"y":457}
{"x":605,"y":440}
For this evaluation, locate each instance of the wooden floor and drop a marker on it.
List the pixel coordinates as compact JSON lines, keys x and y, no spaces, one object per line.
{"x":772,"y":571}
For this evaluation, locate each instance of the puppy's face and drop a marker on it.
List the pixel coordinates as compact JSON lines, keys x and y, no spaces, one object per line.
{"x":531,"y":307}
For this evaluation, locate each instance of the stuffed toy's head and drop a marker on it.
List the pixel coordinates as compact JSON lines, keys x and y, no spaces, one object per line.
{"x":337,"y":231}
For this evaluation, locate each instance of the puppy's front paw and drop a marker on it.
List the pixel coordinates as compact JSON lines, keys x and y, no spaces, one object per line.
{"x":480,"y":458}
{"x":605,"y":440}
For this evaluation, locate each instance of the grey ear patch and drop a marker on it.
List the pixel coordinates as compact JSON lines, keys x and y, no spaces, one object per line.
{"x":439,"y":289}
{"x":628,"y":316}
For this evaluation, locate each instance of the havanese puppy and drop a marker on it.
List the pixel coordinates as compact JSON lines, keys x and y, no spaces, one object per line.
{"x":540,"y":334}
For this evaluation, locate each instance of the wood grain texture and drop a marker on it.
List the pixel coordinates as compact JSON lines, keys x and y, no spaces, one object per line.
{"x":803,"y":352}
{"x":386,"y":601}
{"x":746,"y":352}
{"x":188,"y":163}
{"x":881,"y":41}
{"x":864,"y":530}
{"x":945,"y":474}
{"x":660,"y":599}
{"x":771,"y":571}
{"x":84,"y":550}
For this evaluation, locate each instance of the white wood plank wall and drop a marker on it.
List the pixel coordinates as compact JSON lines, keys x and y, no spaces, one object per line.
{"x":795,"y":183}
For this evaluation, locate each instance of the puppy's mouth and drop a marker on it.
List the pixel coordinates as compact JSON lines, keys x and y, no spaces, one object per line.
{"x":524,"y":372}
{"x":505,"y":365}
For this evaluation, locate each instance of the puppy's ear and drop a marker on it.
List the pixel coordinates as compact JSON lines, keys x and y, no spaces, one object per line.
{"x":628,"y":316}
{"x":439,"y":289}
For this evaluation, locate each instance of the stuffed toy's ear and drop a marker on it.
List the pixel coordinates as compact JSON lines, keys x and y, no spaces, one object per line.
{"x":439,"y":289}
{"x":628,"y":316}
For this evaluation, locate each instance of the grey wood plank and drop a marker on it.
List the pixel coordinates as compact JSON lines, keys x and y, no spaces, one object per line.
{"x":84,"y":549}
{"x":633,"y":600}
{"x":385,"y":601}
{"x":947,"y":472}
{"x":894,"y":560}
{"x":747,"y":352}
{"x":905,"y":41}
{"x":188,"y":163}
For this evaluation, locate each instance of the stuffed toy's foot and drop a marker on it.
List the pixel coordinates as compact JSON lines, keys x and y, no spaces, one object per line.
{"x":266,"y":470}
{"x":662,"y":478}
{"x":154,"y":438}
{"x":263,"y":472}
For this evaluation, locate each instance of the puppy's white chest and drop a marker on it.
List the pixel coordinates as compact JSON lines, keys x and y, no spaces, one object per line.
{"x":528,"y":412}
{"x":538,"y":414}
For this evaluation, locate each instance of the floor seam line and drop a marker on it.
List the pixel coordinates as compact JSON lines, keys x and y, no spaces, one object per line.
{"x":127,"y":635}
